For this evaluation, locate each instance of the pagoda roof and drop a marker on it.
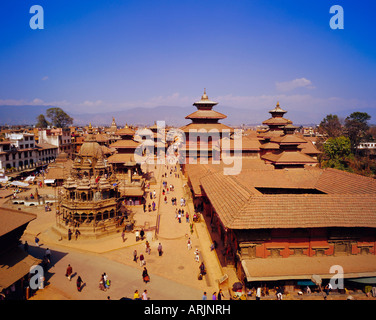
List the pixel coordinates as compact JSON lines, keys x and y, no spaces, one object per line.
{"x":270,"y":145}
{"x":277,"y":121}
{"x":288,"y":157}
{"x":288,"y":139}
{"x":130,"y":144}
{"x":247,"y":144}
{"x":126,"y":131}
{"x":277,"y":109}
{"x":206,"y":126}
{"x":206,"y":114}
{"x":125,"y":158}
{"x":205,"y":101}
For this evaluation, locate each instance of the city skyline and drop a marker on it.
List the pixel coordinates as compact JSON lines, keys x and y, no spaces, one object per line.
{"x":108,"y":57}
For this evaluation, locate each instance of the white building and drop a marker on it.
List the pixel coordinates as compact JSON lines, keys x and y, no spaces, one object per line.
{"x":20,"y":152}
{"x":61,"y":138}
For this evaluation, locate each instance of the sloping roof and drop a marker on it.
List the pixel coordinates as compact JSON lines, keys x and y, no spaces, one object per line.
{"x":309,"y":148}
{"x":288,"y":157}
{"x":270,"y":145}
{"x":15,"y":264}
{"x":288,"y":139}
{"x":206,"y":114}
{"x":126,"y":131}
{"x":306,"y":211}
{"x":240,"y":205}
{"x":341,"y":182}
{"x":206,"y":126}
{"x":45,"y":145}
{"x":131,"y":144}
{"x":126,"y":158}
{"x":247,"y":143}
{"x":11,"y":219}
{"x":276,"y":121}
{"x":59,"y":170}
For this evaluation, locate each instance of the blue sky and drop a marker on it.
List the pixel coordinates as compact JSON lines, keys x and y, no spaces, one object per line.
{"x":94,"y":56}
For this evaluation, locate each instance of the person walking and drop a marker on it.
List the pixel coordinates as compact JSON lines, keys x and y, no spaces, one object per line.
{"x":189,"y":244}
{"x":204,"y":297}
{"x":147,"y":247}
{"x":106,"y":281}
{"x":145,"y":295}
{"x":101,"y":284}
{"x":79,"y":284}
{"x":258,"y":293}
{"x":160,"y":249}
{"x":197,"y":256}
{"x":145,"y":275}
{"x":220,"y":295}
{"x":69,"y":272}
{"x":142,"y":260}
{"x":77,"y":233}
{"x":214,"y":296}
{"x":135,"y":255}
{"x":69,"y":234}
{"x":37,"y":240}
{"x":48,"y":255}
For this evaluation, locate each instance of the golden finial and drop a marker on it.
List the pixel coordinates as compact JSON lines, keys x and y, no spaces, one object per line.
{"x":277,"y":103}
{"x":204,"y":96}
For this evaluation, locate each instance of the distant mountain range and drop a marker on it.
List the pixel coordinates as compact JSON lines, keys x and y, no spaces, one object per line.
{"x":173,"y":116}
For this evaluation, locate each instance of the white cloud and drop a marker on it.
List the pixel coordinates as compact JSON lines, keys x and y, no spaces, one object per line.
{"x":45,"y":78}
{"x":293,"y":84}
{"x":88,"y":103}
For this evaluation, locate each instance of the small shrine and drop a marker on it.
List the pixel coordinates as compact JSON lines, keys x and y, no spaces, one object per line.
{"x":89,"y":200}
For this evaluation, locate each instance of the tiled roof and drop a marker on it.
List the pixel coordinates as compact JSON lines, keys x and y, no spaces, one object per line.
{"x":125,"y":131}
{"x":306,"y":211}
{"x":341,"y":182}
{"x":309,"y":148}
{"x":11,"y":219}
{"x":288,"y":157}
{"x":122,"y":158}
{"x":240,"y":205}
{"x":206,"y":126}
{"x":248,"y":143}
{"x":277,"y":121}
{"x":125,"y":144}
{"x":288,"y":139}
{"x":206,"y":114}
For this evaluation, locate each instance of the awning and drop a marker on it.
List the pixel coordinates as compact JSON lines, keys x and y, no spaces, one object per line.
{"x":49,"y":181}
{"x":371,"y":280}
{"x":30,"y":178}
{"x":19,"y":184}
{"x":302,"y":268}
{"x":306,"y":283}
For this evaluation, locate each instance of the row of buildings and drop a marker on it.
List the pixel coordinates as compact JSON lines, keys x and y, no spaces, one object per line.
{"x":276,"y":218}
{"x":281,"y":219}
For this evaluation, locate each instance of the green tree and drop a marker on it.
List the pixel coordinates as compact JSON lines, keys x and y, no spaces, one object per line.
{"x":59,"y":118}
{"x":356,"y":126}
{"x":42,"y":122}
{"x":330,"y":126}
{"x":337,"y":153}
